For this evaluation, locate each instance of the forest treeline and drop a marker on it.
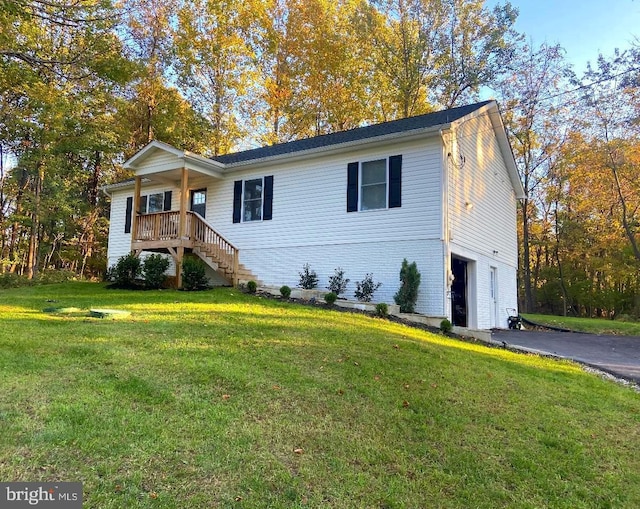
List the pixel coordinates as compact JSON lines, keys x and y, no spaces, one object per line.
{"x":84,"y":84}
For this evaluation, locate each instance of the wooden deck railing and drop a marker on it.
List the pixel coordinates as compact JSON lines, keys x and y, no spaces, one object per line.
{"x":158,"y":226}
{"x":165,"y":226}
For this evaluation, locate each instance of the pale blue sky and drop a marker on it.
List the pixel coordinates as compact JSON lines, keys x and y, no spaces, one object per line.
{"x":583,"y":28}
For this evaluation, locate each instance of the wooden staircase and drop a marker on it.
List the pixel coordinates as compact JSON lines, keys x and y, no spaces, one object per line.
{"x":217,"y":252}
{"x":163,"y":232}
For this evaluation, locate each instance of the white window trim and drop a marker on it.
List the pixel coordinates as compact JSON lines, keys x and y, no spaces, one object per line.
{"x":242,"y":219}
{"x":386,"y":176}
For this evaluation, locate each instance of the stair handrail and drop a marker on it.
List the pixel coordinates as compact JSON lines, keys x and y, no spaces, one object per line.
{"x":203,"y":220}
{"x":227,"y":247}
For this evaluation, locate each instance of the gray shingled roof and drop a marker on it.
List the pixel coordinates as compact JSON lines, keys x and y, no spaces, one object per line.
{"x":360,"y":133}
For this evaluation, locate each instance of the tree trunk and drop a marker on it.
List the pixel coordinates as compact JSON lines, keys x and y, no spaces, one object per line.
{"x":526,"y":259}
{"x":32,"y":255}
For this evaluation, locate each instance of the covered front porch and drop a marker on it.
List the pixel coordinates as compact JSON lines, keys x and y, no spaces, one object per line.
{"x":185,"y":229}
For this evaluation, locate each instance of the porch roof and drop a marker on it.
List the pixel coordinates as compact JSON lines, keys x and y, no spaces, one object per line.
{"x":161,"y":158}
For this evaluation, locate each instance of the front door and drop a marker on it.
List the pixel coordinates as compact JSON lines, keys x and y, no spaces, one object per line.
{"x":459,"y":292}
{"x":199,"y":201}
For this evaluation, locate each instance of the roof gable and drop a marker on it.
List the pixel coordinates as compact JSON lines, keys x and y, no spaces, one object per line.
{"x":158,"y":157}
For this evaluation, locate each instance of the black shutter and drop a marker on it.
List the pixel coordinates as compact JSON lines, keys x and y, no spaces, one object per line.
{"x":352,"y":187}
{"x":127,"y":215}
{"x":395,"y":181}
{"x":267,"y":203}
{"x":237,"y":200}
{"x":167,"y":201}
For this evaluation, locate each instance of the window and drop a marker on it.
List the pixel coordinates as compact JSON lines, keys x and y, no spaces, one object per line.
{"x":199,"y":197}
{"x":157,"y":202}
{"x":252,"y":200}
{"x":153,"y":203}
{"x":373,"y":190}
{"x":374,"y":185}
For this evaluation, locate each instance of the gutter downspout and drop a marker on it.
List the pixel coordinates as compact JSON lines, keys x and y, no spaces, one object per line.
{"x":446,"y":229}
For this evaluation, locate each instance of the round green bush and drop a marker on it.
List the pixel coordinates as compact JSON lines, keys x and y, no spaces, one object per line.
{"x":154,"y":270}
{"x":285,"y":291}
{"x":445,"y":326}
{"x":127,"y":271}
{"x":330,"y":298}
{"x":382,"y":310}
{"x":252,"y":286}
{"x":194,"y":275}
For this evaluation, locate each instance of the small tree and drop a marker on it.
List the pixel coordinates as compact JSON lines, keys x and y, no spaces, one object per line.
{"x":337,"y":282}
{"x":154,"y":268}
{"x":366,"y":288}
{"x":308,"y":278}
{"x":407,"y":294}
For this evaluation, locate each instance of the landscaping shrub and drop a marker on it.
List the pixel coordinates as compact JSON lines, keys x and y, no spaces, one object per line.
{"x":52,"y":276}
{"x":407,"y":294}
{"x":194,"y":274}
{"x":308,"y":278}
{"x":252,"y":286}
{"x":337,"y":282}
{"x":12,"y":280}
{"x":366,"y":288}
{"x":285,"y":291}
{"x":154,"y":268}
{"x":382,"y":310}
{"x":126,"y":272}
{"x":330,"y":298}
{"x":445,"y":326}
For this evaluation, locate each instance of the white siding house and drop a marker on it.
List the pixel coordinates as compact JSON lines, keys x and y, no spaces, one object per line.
{"x":439,"y":189}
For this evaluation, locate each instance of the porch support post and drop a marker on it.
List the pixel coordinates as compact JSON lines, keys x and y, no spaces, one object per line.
{"x":184,"y":195}
{"x":182,"y":228}
{"x":135,"y":210}
{"x":178,"y":260}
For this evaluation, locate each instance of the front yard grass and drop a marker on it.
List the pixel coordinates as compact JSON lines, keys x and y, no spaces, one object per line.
{"x":591,"y":325}
{"x":220,"y":399}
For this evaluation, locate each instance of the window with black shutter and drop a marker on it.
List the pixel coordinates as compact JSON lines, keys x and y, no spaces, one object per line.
{"x":253,"y":200}
{"x":374,"y":185}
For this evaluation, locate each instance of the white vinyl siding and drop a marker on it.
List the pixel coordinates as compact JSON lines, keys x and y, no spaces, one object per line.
{"x":309,"y":201}
{"x":482,"y":211}
{"x":311,"y":225}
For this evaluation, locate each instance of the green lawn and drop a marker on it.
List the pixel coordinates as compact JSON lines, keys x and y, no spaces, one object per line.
{"x":219,"y":399}
{"x":593,"y":325}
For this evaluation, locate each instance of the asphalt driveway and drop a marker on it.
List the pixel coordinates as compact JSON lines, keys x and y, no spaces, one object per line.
{"x":618,"y":355}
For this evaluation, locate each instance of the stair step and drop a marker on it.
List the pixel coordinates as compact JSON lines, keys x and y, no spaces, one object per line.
{"x":243,"y":274}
